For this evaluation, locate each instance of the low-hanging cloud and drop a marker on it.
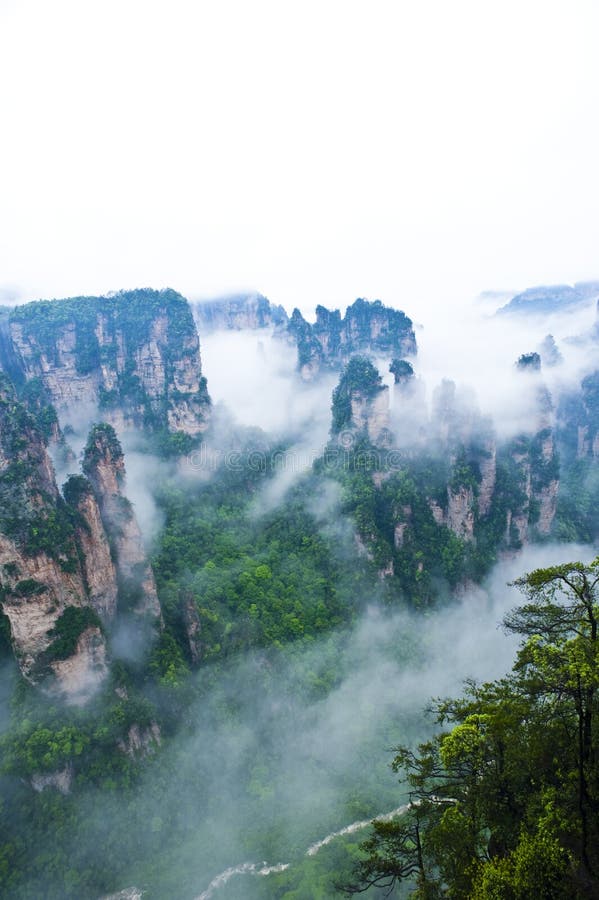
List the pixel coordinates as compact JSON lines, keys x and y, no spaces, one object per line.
{"x":280,"y":750}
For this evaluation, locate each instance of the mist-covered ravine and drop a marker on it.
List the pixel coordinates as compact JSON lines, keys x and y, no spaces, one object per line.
{"x":241,"y":549}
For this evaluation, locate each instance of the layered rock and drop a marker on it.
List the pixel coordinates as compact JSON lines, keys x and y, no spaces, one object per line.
{"x":193,"y":628}
{"x":60,"y":780}
{"x":82,"y":673}
{"x":371,"y":414}
{"x":579,"y":415}
{"x":368,"y":328}
{"x":237,"y":313}
{"x":460,"y":512}
{"x":98,"y":567}
{"x":41,"y":577}
{"x":141,"y":741}
{"x":487,"y":462}
{"x":361,"y":403}
{"x":135,"y":356}
{"x":533,"y":465}
{"x":104,"y":465}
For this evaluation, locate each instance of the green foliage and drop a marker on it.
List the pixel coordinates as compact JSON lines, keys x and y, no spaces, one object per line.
{"x":102,"y":441}
{"x":68,"y":628}
{"x":254,"y":581}
{"x":5,"y":637}
{"x":36,"y":520}
{"x":75,"y":489}
{"x":51,"y":531}
{"x":359,"y":377}
{"x":167,"y":663}
{"x":126,"y":321}
{"x":577,"y":517}
{"x":539,"y":866}
{"x":28,"y":587}
{"x":530,"y":362}
{"x":35,"y":398}
{"x":505,"y":804}
{"x":401,"y":368}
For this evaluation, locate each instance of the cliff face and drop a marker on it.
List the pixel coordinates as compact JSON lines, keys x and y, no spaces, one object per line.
{"x":460,"y":512}
{"x":457,"y":481}
{"x":237,"y":313}
{"x":134,"y":356}
{"x":361,"y":403}
{"x":579,"y":416}
{"x":368,"y":328}
{"x":370,"y":413}
{"x":43,"y":592}
{"x":98,"y":568}
{"x":104,"y":465}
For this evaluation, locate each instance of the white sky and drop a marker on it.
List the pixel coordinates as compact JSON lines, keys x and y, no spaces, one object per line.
{"x":315,"y":151}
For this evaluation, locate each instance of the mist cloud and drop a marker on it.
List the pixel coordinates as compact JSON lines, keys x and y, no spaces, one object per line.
{"x":301,"y":740}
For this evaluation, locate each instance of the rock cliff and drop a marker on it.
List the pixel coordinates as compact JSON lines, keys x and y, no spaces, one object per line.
{"x":368,"y":328}
{"x":134,"y":356}
{"x":104,"y":466}
{"x":246,"y":311}
{"x":55,"y":631}
{"x":361,"y":403}
{"x":98,"y":567}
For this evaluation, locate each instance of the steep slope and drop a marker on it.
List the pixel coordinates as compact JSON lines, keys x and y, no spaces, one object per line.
{"x":55,"y":630}
{"x":366,"y":328}
{"x":361,"y":404}
{"x":441,"y":505}
{"x":237,"y":313}
{"x":133,"y":356}
{"x":369,"y":328}
{"x":104,"y":465}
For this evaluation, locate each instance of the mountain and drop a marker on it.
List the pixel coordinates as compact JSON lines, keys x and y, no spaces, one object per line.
{"x":238,"y":313}
{"x":133,"y":358}
{"x":47,"y":550}
{"x":204,"y":610}
{"x":550,"y":299}
{"x":448,"y":505}
{"x":367,"y":327}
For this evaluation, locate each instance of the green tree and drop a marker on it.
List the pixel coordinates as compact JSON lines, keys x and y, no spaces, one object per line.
{"x":504,"y":803}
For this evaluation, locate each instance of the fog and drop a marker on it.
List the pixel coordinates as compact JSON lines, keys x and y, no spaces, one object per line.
{"x":280,"y":750}
{"x":276,"y":751}
{"x":476,"y":348}
{"x":253,"y":373}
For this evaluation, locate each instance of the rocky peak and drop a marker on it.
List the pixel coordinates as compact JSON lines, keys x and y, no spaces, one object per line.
{"x":548,"y":299}
{"x":104,"y":465}
{"x":402,"y":371}
{"x":98,"y":567}
{"x":529,"y":362}
{"x":361,"y":402}
{"x":133,"y":355}
{"x":549,"y":352}
{"x":54,"y":630}
{"x":368,"y":328}
{"x":310,"y":353}
{"x":104,"y":461}
{"x":245,"y":311}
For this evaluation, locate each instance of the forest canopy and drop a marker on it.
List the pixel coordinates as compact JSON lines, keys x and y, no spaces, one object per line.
{"x":504,"y":800}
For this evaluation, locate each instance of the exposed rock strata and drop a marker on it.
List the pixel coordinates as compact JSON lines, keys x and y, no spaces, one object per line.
{"x":104,"y":465}
{"x":368,"y":328}
{"x":135,"y":356}
{"x":41,"y":574}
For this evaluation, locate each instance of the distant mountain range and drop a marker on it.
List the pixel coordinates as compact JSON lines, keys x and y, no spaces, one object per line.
{"x":547,"y":299}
